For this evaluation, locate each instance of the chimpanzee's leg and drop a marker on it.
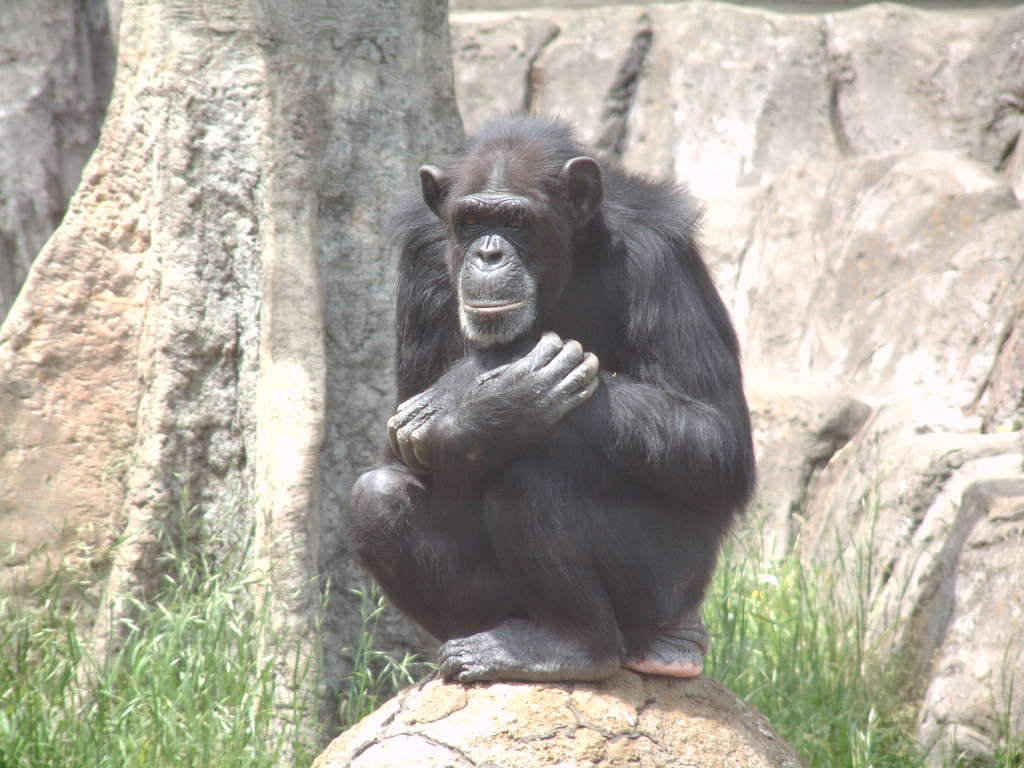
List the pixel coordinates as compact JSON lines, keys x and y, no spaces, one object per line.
{"x":438,"y":569}
{"x":655,"y":562}
{"x":664,"y":633}
{"x":569,"y":630}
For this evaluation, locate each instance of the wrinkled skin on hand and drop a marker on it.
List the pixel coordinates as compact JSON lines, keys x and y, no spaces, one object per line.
{"x":525,"y":396}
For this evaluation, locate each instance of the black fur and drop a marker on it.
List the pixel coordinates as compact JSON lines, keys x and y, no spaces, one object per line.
{"x":560,"y":550}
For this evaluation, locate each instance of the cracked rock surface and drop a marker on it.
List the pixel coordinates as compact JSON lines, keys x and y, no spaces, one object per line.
{"x":629,"y":720}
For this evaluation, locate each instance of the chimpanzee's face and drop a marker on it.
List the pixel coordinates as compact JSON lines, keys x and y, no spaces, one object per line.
{"x":495,"y":266}
{"x":509,"y":239}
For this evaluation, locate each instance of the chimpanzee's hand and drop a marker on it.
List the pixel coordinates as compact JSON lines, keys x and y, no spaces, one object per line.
{"x":504,"y":407}
{"x":535,"y":391}
{"x":408,"y":429}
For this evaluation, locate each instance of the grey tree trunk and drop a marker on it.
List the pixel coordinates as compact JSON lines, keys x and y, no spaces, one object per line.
{"x":56,"y":72}
{"x":208,"y":333}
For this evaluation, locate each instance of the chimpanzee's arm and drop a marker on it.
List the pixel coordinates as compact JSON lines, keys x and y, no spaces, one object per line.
{"x":664,"y":440}
{"x":673,"y":417}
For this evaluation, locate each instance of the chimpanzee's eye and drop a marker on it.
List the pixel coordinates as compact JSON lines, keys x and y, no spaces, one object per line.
{"x":515,"y":221}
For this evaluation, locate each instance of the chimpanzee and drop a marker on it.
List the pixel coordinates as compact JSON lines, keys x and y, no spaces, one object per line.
{"x":572,"y":439}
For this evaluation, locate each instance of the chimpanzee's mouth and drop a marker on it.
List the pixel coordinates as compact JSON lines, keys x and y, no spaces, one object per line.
{"x":493,"y":309}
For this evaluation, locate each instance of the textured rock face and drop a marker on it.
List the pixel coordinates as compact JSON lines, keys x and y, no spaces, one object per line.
{"x":727,"y":97}
{"x":862,"y":172}
{"x":979,"y":657}
{"x":799,"y":432}
{"x":938,"y":505}
{"x":629,"y":720}
{"x":916,"y":254}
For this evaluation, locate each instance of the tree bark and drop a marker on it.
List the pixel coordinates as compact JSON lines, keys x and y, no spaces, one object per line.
{"x":208,"y":333}
{"x":56,"y":72}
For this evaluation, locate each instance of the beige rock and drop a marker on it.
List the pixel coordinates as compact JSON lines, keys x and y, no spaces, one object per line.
{"x":918,"y":522}
{"x":975,"y":695}
{"x":723,"y":96}
{"x":896,"y":76}
{"x":1015,"y":170}
{"x":729,"y":97}
{"x":915,"y":254}
{"x":892,"y":512}
{"x":496,"y":54}
{"x":629,"y":720}
{"x":775,"y":289}
{"x":799,"y":425}
{"x":1000,"y":395}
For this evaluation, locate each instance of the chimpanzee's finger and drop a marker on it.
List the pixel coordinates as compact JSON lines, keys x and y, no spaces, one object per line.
{"x":419,"y":448}
{"x":570,"y":356}
{"x":394,"y":423}
{"x":405,"y":443}
{"x":543,"y":352}
{"x":581,"y":396}
{"x":494,"y":373}
{"x":415,"y":403}
{"x":406,"y":451}
{"x":581,"y":376}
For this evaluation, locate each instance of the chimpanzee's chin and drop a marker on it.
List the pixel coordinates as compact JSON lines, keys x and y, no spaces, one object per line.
{"x":508,"y":351}
{"x":497,"y":330}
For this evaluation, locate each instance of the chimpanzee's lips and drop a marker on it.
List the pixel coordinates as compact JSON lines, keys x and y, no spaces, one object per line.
{"x":493,"y":309}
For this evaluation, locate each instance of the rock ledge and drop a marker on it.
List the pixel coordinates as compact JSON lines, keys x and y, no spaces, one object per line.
{"x":629,"y":720}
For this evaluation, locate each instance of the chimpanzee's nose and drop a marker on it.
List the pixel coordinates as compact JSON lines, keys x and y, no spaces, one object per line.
{"x":490,"y":252}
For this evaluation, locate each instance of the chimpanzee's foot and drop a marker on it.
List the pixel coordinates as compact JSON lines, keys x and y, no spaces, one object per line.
{"x":522,"y":650}
{"x":671,"y":656}
{"x":677,"y":651}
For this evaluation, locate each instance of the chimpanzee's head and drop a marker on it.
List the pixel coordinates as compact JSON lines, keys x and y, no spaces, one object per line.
{"x":511,"y":208}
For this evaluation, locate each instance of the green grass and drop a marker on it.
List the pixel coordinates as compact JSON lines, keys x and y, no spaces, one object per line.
{"x":192,"y":681}
{"x":792,"y":639}
{"x":784,"y":641}
{"x":188,"y":683}
{"x":376,"y":676}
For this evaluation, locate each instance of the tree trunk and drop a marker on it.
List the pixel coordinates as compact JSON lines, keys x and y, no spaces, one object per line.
{"x":56,"y":71}
{"x":208,"y":333}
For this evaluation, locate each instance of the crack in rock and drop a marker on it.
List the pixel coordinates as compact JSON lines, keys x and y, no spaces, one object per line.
{"x":607,"y":734}
{"x":442,"y":745}
{"x":618,"y":102}
{"x":841,"y":75}
{"x":533,"y":77}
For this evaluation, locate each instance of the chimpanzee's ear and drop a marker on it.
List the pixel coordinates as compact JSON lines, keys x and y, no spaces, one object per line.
{"x":434,"y":182}
{"x":581,"y":184}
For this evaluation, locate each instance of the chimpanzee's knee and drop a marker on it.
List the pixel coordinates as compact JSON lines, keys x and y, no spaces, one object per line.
{"x":382,"y":499}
